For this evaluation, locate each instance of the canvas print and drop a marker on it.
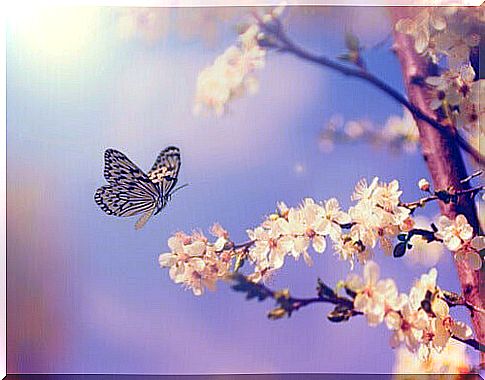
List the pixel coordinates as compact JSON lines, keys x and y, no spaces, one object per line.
{"x":245,"y":190}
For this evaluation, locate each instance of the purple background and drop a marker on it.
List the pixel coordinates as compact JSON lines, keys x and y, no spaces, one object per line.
{"x":85,"y":293}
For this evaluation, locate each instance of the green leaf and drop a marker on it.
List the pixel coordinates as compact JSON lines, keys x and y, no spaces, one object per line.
{"x":426,"y":305}
{"x":239,"y":262}
{"x":325,"y":290}
{"x":451,"y":296}
{"x":251,"y":289}
{"x":277,"y":313}
{"x":399,"y":249}
{"x":352,"y":42}
{"x":341,"y":313}
{"x":350,"y":292}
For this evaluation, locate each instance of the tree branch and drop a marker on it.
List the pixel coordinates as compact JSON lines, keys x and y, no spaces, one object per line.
{"x":287,"y":304}
{"x":284,"y":44}
{"x":445,"y":163}
{"x":453,"y":299}
{"x":445,"y":196}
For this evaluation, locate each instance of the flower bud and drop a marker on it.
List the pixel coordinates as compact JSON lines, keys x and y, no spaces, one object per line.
{"x":277,"y":313}
{"x":274,"y":217}
{"x":424,"y":184}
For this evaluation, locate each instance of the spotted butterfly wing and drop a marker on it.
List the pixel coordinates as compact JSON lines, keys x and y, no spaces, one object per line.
{"x":166,"y":168}
{"x":129,"y":191}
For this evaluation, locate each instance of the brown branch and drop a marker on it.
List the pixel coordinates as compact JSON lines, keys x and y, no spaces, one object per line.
{"x":478,"y":173}
{"x":287,"y":304}
{"x":284,"y":44}
{"x":440,"y":195}
{"x":445,"y":163}
{"x":454,"y":299}
{"x":285,"y":300}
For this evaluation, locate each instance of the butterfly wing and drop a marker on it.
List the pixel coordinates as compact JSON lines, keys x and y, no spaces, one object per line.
{"x":129,"y":192}
{"x":166,"y":168}
{"x":122,"y":200}
{"x":119,"y":169}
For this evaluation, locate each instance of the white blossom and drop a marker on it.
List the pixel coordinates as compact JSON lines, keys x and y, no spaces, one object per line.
{"x":402,"y":129}
{"x":447,"y":36}
{"x":374,"y":297}
{"x":470,"y":252}
{"x":232,"y":74}
{"x":452,"y":360}
{"x":454,"y":232}
{"x":407,"y":326}
{"x":194,"y":262}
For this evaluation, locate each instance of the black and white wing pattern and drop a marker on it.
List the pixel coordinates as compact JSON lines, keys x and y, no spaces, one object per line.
{"x":166,"y":168}
{"x":129,"y":191}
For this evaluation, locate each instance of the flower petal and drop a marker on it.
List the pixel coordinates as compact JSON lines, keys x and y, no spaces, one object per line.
{"x":371,"y":273}
{"x":319,"y":243}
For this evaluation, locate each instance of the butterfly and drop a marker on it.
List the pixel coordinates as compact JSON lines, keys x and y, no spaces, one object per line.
{"x":131,"y":192}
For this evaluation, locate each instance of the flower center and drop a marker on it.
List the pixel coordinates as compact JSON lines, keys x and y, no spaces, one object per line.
{"x":448,"y":323}
{"x":226,"y":257}
{"x":405,"y":325}
{"x":310,"y":233}
{"x":428,"y":336}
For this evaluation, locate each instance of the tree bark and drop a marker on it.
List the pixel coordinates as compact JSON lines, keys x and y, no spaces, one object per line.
{"x":444,"y":160}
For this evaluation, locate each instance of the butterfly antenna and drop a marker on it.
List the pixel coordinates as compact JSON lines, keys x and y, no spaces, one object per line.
{"x":178,"y":188}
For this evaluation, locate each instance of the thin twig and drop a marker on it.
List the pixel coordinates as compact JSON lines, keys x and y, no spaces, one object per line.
{"x":244,"y":245}
{"x":283,"y":297}
{"x":471,"y":176}
{"x":421,"y":202}
{"x":454,"y":299}
{"x":285,"y":44}
{"x":300,"y":302}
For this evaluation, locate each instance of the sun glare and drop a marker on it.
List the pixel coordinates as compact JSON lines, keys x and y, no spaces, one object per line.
{"x":55,"y":32}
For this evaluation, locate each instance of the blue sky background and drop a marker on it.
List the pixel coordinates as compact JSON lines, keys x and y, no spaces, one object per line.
{"x":85,"y":293}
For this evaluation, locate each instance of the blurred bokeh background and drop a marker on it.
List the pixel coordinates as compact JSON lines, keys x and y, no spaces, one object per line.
{"x":85,"y":292}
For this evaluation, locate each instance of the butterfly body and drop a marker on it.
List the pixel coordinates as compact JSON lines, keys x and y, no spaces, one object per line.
{"x":131,"y":192}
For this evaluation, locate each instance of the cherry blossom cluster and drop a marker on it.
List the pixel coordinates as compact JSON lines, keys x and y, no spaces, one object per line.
{"x":451,"y":35}
{"x":420,"y":320}
{"x":196,"y":263}
{"x":377,"y":218}
{"x":452,"y":360}
{"x":458,"y":237}
{"x":232,"y":73}
{"x":400,"y":133}
{"x":291,"y":231}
